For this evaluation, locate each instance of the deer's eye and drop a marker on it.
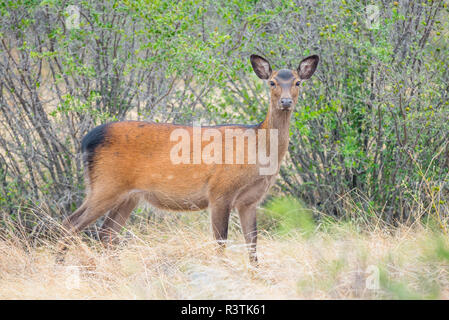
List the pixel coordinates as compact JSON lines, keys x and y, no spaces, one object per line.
{"x":298,"y":83}
{"x":272,"y":84}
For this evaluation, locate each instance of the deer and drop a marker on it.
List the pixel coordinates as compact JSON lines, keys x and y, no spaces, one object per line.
{"x":126,"y":161}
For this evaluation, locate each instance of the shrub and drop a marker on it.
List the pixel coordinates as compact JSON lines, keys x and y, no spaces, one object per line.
{"x":370,"y":131}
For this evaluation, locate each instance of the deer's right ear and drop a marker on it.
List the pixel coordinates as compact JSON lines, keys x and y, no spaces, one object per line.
{"x":308,"y":66}
{"x":261,"y":66}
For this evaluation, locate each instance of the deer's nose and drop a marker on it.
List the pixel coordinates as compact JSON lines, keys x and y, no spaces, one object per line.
{"x":286,"y":102}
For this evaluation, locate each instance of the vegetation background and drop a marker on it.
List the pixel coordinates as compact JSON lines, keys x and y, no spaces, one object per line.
{"x":368,"y":157}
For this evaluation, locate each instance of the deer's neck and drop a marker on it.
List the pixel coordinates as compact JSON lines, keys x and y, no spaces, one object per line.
{"x":279,"y":120}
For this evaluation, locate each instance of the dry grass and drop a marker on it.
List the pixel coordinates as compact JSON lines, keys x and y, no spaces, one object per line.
{"x":174,"y":258}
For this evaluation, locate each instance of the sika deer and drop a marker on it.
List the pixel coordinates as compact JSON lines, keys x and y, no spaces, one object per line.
{"x":129,"y":160}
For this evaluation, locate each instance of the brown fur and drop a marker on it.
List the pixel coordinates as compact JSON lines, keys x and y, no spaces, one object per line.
{"x":133,"y":162}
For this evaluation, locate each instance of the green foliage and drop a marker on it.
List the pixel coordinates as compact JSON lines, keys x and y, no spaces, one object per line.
{"x":370,"y":126}
{"x":290,"y":215}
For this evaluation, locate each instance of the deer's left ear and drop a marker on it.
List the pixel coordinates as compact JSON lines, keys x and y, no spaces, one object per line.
{"x":261,"y":66}
{"x":308,"y":66}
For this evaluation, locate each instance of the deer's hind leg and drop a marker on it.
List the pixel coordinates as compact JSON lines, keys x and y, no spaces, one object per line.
{"x":98,"y":202}
{"x":68,"y":221}
{"x":116,"y":219}
{"x":97,"y":205}
{"x":75,"y":215}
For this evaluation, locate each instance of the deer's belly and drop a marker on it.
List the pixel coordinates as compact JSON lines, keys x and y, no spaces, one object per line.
{"x":177,"y":201}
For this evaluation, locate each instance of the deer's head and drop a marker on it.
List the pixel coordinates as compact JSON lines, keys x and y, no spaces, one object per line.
{"x":285,"y":84}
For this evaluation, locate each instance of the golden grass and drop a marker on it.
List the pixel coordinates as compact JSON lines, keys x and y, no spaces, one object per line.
{"x":174,"y":258}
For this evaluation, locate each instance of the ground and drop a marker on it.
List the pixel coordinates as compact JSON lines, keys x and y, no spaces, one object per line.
{"x":174,"y":257}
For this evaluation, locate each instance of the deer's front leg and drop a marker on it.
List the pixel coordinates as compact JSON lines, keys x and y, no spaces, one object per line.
{"x":248,"y":220}
{"x":220,"y":219}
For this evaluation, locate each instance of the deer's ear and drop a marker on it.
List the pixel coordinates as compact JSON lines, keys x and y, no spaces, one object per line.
{"x":308,"y":66}
{"x":261,"y":66}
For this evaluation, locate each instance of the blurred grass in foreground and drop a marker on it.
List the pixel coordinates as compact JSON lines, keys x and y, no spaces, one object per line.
{"x":288,"y":215}
{"x":172,"y":256}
